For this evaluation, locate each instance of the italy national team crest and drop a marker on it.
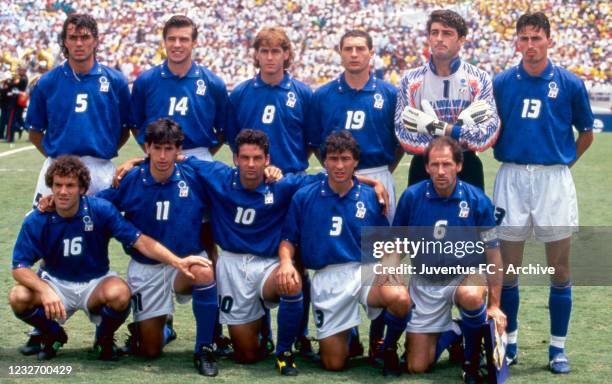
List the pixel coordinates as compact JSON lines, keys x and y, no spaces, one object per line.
{"x":463,"y":86}
{"x":104,"y":84}
{"x":291,"y":99}
{"x":464,"y":209}
{"x":88,"y":224}
{"x":378,"y":101}
{"x":183,"y":189}
{"x":201,"y":87}
{"x":361,"y":210}
{"x":553,"y":90}
{"x":269,"y":198}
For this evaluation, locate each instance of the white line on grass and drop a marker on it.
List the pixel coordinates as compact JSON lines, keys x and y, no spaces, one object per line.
{"x":13,"y":151}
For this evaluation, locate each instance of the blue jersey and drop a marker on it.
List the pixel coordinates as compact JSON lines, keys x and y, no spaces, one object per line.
{"x":243,"y":220}
{"x":198,"y":102}
{"x":75,"y":248}
{"x":327,"y":227}
{"x":367,"y":113}
{"x":537,"y":115}
{"x":278,"y":110}
{"x":170,"y":212}
{"x":80,"y":115}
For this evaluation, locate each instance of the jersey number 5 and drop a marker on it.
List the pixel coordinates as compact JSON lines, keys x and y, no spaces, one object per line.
{"x":81,"y":103}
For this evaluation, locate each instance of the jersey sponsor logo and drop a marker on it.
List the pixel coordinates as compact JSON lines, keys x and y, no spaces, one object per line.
{"x":553,"y":90}
{"x":201,"y":87}
{"x":361,"y":210}
{"x":104,"y":84}
{"x":183,"y":189}
{"x":378,"y":101}
{"x":464,"y":209}
{"x":88,"y":224}
{"x":291,"y":99}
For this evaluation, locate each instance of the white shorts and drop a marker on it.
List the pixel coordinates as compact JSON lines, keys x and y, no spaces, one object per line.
{"x":75,"y":295}
{"x":336,"y":291}
{"x":240,"y":282}
{"x":152,"y":288}
{"x":432,"y":305}
{"x":201,"y":153}
{"x":100,"y":170}
{"x":536,"y":198}
{"x":383,"y":175}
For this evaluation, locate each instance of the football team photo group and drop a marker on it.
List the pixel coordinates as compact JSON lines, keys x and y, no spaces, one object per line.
{"x":250,"y":203}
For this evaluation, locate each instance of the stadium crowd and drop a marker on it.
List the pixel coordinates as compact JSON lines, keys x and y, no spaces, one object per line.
{"x":131,"y":33}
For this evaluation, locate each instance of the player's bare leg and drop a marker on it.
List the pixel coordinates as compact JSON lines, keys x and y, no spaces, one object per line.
{"x":421,"y":351}
{"x":203,"y":290}
{"x":559,"y":303}
{"x":111,"y":300}
{"x":334,"y":351}
{"x":245,"y":339}
{"x":512,"y":254}
{"x":150,"y":337}
{"x":396,"y":302}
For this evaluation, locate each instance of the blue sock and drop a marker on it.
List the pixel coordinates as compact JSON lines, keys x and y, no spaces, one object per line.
{"x":306,"y":292}
{"x":266,"y":327}
{"x":290,"y":313}
{"x":36,"y":317}
{"x":205,"y":305}
{"x":167,"y":334}
{"x":353,"y":335}
{"x":111,"y":320}
{"x":377,"y":327}
{"x":444,"y":341}
{"x":473,"y":326}
{"x":395,"y":327}
{"x":560,"y":308}
{"x":510,"y":306}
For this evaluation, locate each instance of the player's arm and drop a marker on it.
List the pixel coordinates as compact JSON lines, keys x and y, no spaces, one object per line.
{"x":125,"y":136}
{"x":287,"y":276}
{"x":399,"y":153}
{"x":382,"y":195}
{"x":125,"y":168}
{"x":156,"y":251}
{"x":494,"y":285}
{"x":36,"y":138}
{"x":583,"y":142}
{"x":54,"y":308}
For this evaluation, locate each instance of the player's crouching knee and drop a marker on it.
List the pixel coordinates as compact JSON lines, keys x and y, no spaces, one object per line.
{"x":150,"y":351}
{"x":333,"y":363}
{"x":203,"y":275}
{"x":417,"y":365}
{"x":250,"y":356}
{"x":20,"y":298}
{"x":471,"y":297}
{"x":118,"y":295}
{"x":398,"y":301}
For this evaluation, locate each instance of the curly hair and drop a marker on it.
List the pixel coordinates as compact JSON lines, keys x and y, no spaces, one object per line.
{"x":450,"y":19}
{"x":68,"y":166}
{"x":255,"y":137}
{"x":340,"y":141}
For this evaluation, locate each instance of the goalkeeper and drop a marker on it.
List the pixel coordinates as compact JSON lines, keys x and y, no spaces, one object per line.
{"x":446,"y":97}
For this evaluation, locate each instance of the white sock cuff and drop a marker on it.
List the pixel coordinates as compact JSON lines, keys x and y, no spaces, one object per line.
{"x":512,"y":337}
{"x":557,"y":341}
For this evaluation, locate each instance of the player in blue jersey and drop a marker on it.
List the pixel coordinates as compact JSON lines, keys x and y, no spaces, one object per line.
{"x":79,"y":108}
{"x":277,"y":104}
{"x":184,"y":91}
{"x":73,"y":243}
{"x":189,"y":94}
{"x":446,"y":97}
{"x":362,"y":104}
{"x":163,"y":198}
{"x":444,"y":203}
{"x":325,"y":221}
{"x":538,"y":103}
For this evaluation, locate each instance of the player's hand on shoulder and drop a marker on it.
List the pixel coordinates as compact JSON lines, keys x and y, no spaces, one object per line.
{"x":272,"y":174}
{"x":124,"y":169}
{"x":46,"y":204}
{"x":495,"y":313}
{"x":54,"y":308}
{"x":383,"y":196}
{"x":184,"y":265}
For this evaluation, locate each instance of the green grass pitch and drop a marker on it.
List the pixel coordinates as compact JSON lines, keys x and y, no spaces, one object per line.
{"x":588,"y":340}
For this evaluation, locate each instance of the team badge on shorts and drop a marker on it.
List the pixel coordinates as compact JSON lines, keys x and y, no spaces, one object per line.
{"x":464,"y":209}
{"x":183,"y":189}
{"x":269,"y":198}
{"x":88,"y":227}
{"x":201,"y":87}
{"x":104,"y":84}
{"x":361,"y":210}
{"x":378,"y":101}
{"x":553,"y":90}
{"x":291,"y":99}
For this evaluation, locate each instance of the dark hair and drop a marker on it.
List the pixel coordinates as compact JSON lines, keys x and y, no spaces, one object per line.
{"x":450,"y":19}
{"x":164,"y":131}
{"x":255,"y":137}
{"x":180,"y":21}
{"x":340,"y":141}
{"x":357,"y":33}
{"x":537,"y":20}
{"x":272,"y":36}
{"x":445,"y":141}
{"x":68,"y":166}
{"x":79,"y":20}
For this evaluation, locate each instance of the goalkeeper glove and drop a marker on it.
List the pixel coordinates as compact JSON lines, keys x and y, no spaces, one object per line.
{"x":478,"y":112}
{"x":418,"y":121}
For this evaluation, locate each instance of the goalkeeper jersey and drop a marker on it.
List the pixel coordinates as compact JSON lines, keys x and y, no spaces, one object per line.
{"x":448,"y":95}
